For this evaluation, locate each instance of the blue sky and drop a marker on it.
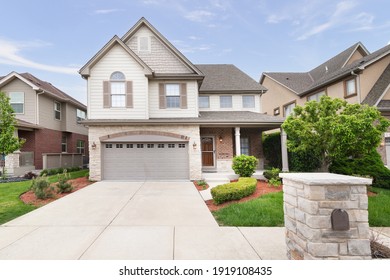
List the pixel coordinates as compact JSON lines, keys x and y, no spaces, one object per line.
{"x":54,"y":39}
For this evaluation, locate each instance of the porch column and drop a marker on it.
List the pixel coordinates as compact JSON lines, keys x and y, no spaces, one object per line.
{"x":238,"y":142}
{"x":283,"y":135}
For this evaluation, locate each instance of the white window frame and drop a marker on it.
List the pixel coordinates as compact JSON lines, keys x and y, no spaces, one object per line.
{"x":17,"y":103}
{"x":208,"y":101}
{"x":80,"y":115}
{"x":172,"y":90}
{"x":57,"y":110}
{"x":227,"y":97}
{"x":245,"y":146}
{"x":346,"y":88}
{"x":289,"y":107}
{"x":245,"y":104}
{"x":118,"y":89}
{"x":80,"y":147}
{"x":317,"y":96}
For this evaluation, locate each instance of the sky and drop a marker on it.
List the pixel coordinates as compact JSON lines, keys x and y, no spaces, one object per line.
{"x":54,"y":39}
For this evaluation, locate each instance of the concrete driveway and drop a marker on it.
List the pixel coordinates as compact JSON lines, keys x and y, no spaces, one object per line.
{"x":134,"y":220}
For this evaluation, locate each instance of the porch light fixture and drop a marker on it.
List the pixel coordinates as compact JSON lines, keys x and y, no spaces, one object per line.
{"x":194,"y":145}
{"x":220,"y":139}
{"x":93,"y":146}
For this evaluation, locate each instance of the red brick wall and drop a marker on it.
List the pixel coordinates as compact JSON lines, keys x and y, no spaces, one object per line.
{"x":224,"y":149}
{"x":255,"y":141}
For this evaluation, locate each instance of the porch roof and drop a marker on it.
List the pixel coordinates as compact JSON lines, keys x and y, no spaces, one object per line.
{"x":24,"y":124}
{"x":211,"y":118}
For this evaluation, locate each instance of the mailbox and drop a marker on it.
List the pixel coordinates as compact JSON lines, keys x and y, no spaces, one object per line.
{"x":340,"y":220}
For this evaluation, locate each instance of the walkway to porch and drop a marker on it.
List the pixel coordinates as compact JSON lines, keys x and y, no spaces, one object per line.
{"x":214,"y":179}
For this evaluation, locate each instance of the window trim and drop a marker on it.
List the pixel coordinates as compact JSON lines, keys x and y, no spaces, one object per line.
{"x":254,"y":101}
{"x":59,"y":111}
{"x":64,"y":144}
{"x":167,"y":95}
{"x":79,"y":119}
{"x":79,"y":148}
{"x":208,"y":101}
{"x":346,"y":95}
{"x":317,"y":92}
{"x":231,"y":99}
{"x":288,"y":104}
{"x":24,"y":101}
{"x":249,"y":145}
{"x":277,"y":109}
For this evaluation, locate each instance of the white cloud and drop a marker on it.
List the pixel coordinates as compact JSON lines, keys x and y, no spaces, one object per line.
{"x":106,"y":11}
{"x":199,"y":15}
{"x":10,"y":55}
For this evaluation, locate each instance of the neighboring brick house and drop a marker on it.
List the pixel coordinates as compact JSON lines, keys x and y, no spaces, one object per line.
{"x":48,"y":119}
{"x":354,"y":75}
{"x":152,"y":114}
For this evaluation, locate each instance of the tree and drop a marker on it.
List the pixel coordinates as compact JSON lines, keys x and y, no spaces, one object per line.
{"x":334,"y":129}
{"x":8,"y":142}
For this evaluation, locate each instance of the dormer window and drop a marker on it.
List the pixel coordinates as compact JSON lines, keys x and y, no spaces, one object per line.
{"x":144,"y":44}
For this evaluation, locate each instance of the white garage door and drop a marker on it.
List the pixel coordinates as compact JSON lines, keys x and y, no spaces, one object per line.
{"x":145,"y":161}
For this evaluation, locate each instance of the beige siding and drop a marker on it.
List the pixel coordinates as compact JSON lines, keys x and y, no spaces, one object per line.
{"x":371,"y":74}
{"x":276,"y":96}
{"x":17,"y":85}
{"x":117,"y":59}
{"x":46,"y":113}
{"x":337,"y":91}
{"x":236,"y":102}
{"x":71,"y":121}
{"x":357,"y":55}
{"x":387,"y":95}
{"x":192,"y":102}
{"x":160,"y":58}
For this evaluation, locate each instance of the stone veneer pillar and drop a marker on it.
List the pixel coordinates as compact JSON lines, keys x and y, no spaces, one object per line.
{"x":309,"y":200}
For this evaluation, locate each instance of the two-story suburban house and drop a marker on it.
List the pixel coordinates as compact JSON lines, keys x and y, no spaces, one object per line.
{"x":355,"y":75}
{"x":49,"y":120}
{"x":153,"y":114}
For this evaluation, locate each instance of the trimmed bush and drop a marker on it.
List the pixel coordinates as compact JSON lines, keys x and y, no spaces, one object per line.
{"x":272,"y":173}
{"x":272,"y":149}
{"x":63,"y":185}
{"x":244,"y":165}
{"x":41,"y":188}
{"x":234,"y":191}
{"x":368,"y":165}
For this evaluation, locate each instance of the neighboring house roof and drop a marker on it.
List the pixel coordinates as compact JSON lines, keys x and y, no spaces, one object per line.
{"x":328,"y":72}
{"x":384,"y":105}
{"x":379,"y":88}
{"x":45,"y":87}
{"x":227,"y":78}
{"x":228,"y":118}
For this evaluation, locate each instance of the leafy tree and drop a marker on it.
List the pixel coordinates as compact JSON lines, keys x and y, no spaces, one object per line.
{"x":8,"y":142}
{"x":334,"y":129}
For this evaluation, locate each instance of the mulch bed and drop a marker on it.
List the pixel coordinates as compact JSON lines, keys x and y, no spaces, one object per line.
{"x":261,"y":189}
{"x":30,"y":198}
{"x":200,"y":188}
{"x":379,"y":251}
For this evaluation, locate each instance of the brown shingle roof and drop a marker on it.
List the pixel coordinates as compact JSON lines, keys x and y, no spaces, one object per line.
{"x":227,"y":78}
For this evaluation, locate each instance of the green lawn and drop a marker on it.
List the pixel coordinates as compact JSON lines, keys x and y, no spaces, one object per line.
{"x":267,"y":211}
{"x":10,"y":204}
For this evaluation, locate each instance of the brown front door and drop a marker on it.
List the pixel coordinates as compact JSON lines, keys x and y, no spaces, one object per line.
{"x":207,"y":151}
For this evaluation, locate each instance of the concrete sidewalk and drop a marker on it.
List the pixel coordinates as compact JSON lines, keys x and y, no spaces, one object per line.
{"x":134,"y":220}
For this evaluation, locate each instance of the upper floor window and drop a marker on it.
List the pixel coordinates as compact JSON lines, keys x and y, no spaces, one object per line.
{"x":204,"y":101}
{"x":81,"y":115}
{"x":225,"y":101}
{"x":277,"y":111}
{"x":288,"y":109}
{"x":144,"y":44}
{"x":57,"y":110}
{"x":248,"y":101}
{"x":350,"y":88}
{"x":172,"y":92}
{"x":118,"y":89}
{"x":316,"y":96}
{"x":17,"y":102}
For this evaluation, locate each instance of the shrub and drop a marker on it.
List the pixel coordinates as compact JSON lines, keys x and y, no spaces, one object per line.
{"x":234,"y":191}
{"x":30,"y":175}
{"x":370,"y":164}
{"x":275,"y":182}
{"x":272,"y":173}
{"x":44,"y":172}
{"x":244,"y":165}
{"x":63,"y":185}
{"x":41,"y":188}
{"x":272,"y":149}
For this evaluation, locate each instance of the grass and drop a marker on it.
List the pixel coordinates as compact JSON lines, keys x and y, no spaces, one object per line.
{"x":265,"y":211}
{"x":379,"y":208}
{"x":12,"y":207}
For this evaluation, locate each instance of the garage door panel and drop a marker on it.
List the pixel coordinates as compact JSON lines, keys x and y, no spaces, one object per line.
{"x":151,"y":162}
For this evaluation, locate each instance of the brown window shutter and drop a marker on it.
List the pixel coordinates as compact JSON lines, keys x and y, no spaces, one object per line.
{"x":129,"y":94}
{"x":106,"y":94}
{"x":161,"y":94}
{"x":183,"y":96}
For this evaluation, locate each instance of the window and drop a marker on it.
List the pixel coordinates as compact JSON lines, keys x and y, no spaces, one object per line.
{"x":81,"y":115}
{"x":80,"y":148}
{"x":160,"y":146}
{"x":150,"y":146}
{"x":57,"y":110}
{"x":316,"y":96}
{"x":225,"y":101}
{"x":244,"y":143}
{"x":140,"y":146}
{"x":248,"y":101}
{"x":277,"y":111}
{"x":17,"y":102}
{"x":119,"y":146}
{"x":289,"y":108}
{"x":109,"y":146}
{"x":350,"y":88}
{"x":64,"y":144}
{"x":204,"y":102}
{"x":172,"y":92}
{"x":171,"y":145}
{"x":129,"y":146}
{"x":118,"y":90}
{"x":182,"y":145}
{"x":144,"y":44}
